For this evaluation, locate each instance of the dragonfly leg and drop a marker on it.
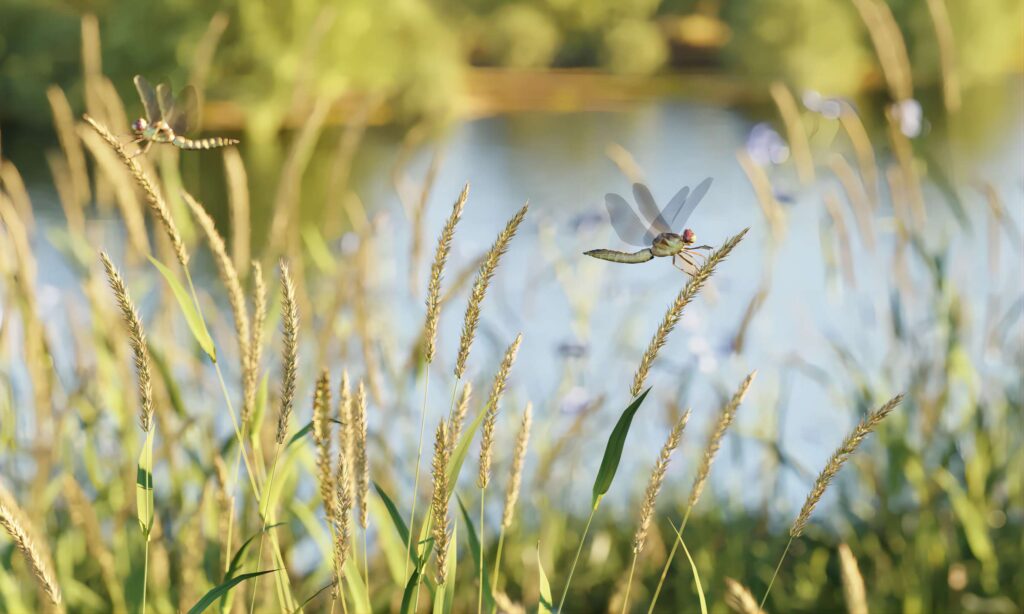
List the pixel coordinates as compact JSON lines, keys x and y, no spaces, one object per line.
{"x":142,"y":149}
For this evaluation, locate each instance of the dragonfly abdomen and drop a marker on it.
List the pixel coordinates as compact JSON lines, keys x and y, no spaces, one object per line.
{"x":210,"y":143}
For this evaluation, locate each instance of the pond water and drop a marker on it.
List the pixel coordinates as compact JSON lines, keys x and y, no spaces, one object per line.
{"x":586,"y":322}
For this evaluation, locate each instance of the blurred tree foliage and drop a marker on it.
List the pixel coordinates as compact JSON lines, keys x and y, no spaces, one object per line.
{"x":276,"y":55}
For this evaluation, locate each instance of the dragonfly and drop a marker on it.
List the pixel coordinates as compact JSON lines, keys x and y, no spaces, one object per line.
{"x":653,"y":232}
{"x":168,"y":118}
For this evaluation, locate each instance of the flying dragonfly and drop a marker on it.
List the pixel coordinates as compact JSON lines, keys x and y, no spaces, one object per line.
{"x":168,"y":118}
{"x":655,"y":234}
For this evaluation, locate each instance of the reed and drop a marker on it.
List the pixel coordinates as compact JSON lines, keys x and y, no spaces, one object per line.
{"x":483,"y":477}
{"x":854,"y":593}
{"x":156,"y":202}
{"x":483,"y":279}
{"x":439,"y":501}
{"x":740,"y":599}
{"x":16,"y":524}
{"x":675,"y":310}
{"x":137,"y":341}
{"x":832,"y":467}
{"x":651,"y":497}
{"x":714,"y":443}
{"x":515,"y":482}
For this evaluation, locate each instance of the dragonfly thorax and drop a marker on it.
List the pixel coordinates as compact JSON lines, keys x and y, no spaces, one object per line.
{"x":667,"y":244}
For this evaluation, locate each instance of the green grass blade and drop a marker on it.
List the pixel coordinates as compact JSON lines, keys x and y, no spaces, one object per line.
{"x":545,"y":605}
{"x":222,"y":589}
{"x":693,"y":567}
{"x":452,"y":564}
{"x":173,"y":391}
{"x":396,"y":517}
{"x":613,"y":451}
{"x":410,"y":591}
{"x":474,"y":549}
{"x":236,"y":560}
{"x":189,"y":310}
{"x":144,"y":486}
{"x":313,"y":596}
{"x":356,"y":587}
{"x":462,"y":449}
{"x":300,"y":434}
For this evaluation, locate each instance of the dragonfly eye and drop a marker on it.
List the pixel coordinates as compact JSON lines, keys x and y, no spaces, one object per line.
{"x":689,"y":236}
{"x":139,"y":125}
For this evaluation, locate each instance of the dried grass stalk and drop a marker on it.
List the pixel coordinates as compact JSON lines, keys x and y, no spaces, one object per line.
{"x":854,"y":593}
{"x":740,"y":599}
{"x":439,"y":500}
{"x":518,"y":457}
{"x":444,"y":246}
{"x":362,"y":464}
{"x":255,"y":356}
{"x":156,"y":202}
{"x":725,"y":418}
{"x":16,"y":524}
{"x":654,"y":484}
{"x":483,"y":279}
{"x":675,"y":310}
{"x":137,"y":340}
{"x":238,"y":206}
{"x":493,"y":403}
{"x":322,"y":439}
{"x":236,"y":298}
{"x":343,"y":515}
{"x":290,"y":315}
{"x":459,"y":417}
{"x":835,"y":462}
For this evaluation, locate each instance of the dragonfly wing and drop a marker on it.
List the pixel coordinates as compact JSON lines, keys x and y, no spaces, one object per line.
{"x":626,"y":222}
{"x":649,"y":209}
{"x":184,"y":113}
{"x":149,"y":100}
{"x":627,"y":258}
{"x":165,"y":99}
{"x":691,"y":202}
{"x":671,"y":210}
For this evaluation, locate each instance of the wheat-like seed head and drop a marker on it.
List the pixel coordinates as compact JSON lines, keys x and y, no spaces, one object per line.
{"x":675,"y":310}
{"x":483,"y":279}
{"x":343,"y":515}
{"x":654,"y":484}
{"x":725,"y":418}
{"x":16,"y":524}
{"x":156,"y":202}
{"x":493,"y":403}
{"x":459,"y":417}
{"x":439,"y":500}
{"x":739,"y":598}
{"x":854,"y":593}
{"x":322,"y":438}
{"x":362,"y":465}
{"x":835,"y":462}
{"x":255,"y":356}
{"x":518,"y":457}
{"x":137,"y":340}
{"x":444,"y":246}
{"x":236,"y":297}
{"x":290,"y":315}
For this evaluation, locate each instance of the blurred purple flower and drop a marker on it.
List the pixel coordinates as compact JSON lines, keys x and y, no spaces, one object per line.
{"x":766,"y":146}
{"x":572,"y":348}
{"x":909,"y":116}
{"x":575,"y":401}
{"x":829,"y":108}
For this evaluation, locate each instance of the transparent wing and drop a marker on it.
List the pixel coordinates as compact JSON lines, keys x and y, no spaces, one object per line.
{"x":626,"y":222}
{"x":148,"y":96}
{"x":184,"y":114}
{"x":691,"y":202}
{"x":165,"y":99}
{"x":649,"y":209}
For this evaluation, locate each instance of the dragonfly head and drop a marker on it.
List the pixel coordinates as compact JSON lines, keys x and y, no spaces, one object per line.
{"x":689,"y":236}
{"x":139,"y":126}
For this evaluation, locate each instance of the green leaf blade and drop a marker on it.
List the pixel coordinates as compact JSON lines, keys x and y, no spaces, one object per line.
{"x":222,"y":589}
{"x":613,"y":450}
{"x":189,"y":309}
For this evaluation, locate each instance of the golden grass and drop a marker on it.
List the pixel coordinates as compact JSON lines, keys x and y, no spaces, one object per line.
{"x":854,"y":593}
{"x":483,"y":279}
{"x":655,"y":481}
{"x":516,"y":474}
{"x":323,"y":441}
{"x":439,"y":500}
{"x":740,"y":599}
{"x":290,"y":352}
{"x":493,"y":405}
{"x":675,"y":310}
{"x":137,"y":340}
{"x":16,"y":524}
{"x":444,"y":246}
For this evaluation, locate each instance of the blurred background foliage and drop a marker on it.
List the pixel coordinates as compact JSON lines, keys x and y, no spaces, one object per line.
{"x":275,"y":57}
